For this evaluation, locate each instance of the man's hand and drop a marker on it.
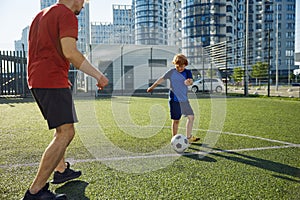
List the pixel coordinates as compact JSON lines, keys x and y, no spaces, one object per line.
{"x":149,"y":89}
{"x":102,"y":82}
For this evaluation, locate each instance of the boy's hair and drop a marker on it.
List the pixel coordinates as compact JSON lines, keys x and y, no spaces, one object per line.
{"x":180,"y":59}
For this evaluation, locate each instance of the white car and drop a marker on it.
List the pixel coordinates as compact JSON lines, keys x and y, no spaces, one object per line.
{"x":210,"y":84}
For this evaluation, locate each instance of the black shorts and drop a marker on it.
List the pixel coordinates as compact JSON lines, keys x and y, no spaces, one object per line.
{"x":56,"y":105}
{"x":177,"y":109}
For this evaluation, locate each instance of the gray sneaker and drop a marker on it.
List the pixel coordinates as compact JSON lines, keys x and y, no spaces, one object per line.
{"x":44,"y":194}
{"x":67,"y":175}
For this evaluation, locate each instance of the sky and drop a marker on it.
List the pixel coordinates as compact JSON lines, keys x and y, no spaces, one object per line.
{"x":15,"y":15}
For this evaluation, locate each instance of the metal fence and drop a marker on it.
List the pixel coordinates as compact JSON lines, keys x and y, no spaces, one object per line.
{"x":13,"y":73}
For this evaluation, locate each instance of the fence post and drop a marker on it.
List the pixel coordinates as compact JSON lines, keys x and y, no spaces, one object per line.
{"x":23,"y":71}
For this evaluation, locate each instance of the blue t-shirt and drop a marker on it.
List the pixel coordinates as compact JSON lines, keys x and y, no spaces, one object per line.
{"x":178,"y":90}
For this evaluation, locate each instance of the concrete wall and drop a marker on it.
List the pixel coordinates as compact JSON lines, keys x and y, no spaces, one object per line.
{"x":115,"y":59}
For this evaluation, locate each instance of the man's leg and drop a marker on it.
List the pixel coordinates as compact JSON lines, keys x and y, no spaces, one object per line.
{"x":53,"y":156}
{"x":61,"y":166}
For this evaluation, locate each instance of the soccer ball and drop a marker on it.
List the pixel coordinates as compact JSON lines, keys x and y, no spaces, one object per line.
{"x":179,"y":143}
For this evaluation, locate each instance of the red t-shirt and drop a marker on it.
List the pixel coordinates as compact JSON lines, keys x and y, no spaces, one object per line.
{"x":47,"y":66}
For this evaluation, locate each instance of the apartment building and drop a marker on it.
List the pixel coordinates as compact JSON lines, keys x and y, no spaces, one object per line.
{"x":150,"y":22}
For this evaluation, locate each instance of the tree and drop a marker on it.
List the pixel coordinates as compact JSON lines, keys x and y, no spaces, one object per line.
{"x":260,"y":71}
{"x":238,"y":74}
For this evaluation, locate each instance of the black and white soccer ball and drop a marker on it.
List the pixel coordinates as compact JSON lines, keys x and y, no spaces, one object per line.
{"x":179,"y":143}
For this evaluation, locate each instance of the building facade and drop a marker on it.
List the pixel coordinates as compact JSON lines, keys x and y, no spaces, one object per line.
{"x":174,"y":21}
{"x":150,"y":22}
{"x":22,"y":44}
{"x":119,"y":32}
{"x":271,"y":33}
{"x":101,"y":33}
{"x":206,"y":23}
{"x":122,"y":21}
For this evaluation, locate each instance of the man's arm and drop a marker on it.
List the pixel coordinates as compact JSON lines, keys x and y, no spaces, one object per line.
{"x":156,"y":83}
{"x":75,"y":57}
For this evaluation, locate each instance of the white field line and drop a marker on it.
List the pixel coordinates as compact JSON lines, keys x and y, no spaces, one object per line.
{"x":287,"y":145}
{"x":214,"y":131}
{"x":158,"y":155}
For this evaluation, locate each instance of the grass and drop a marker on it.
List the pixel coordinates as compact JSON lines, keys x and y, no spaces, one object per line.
{"x":122,"y":148}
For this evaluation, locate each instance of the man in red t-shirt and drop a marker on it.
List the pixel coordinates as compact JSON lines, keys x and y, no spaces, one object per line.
{"x":52,"y":47}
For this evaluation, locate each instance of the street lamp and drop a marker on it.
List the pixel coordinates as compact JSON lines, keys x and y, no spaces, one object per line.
{"x":269,"y":60}
{"x":122,"y":87}
{"x":246,"y":50}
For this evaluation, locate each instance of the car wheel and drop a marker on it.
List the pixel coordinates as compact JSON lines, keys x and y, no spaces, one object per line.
{"x":194,"y":89}
{"x":218,"y":89}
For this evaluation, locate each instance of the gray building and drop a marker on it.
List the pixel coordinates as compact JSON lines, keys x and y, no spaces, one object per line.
{"x":119,"y":32}
{"x":200,"y":25}
{"x":150,"y":22}
{"x":102,"y":33}
{"x":174,"y":21}
{"x":22,"y":44}
{"x":206,"y":23}
{"x":122,"y":21}
{"x":276,"y":18}
{"x":131,"y":67}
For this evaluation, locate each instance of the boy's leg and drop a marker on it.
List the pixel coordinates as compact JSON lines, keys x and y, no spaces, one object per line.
{"x":175,"y":113}
{"x":189,"y":125}
{"x":175,"y":124}
{"x":52,"y":156}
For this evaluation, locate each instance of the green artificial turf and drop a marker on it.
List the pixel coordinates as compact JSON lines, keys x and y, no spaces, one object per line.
{"x":122,"y":147}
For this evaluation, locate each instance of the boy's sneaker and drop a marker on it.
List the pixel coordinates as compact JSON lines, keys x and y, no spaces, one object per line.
{"x":193,"y":139}
{"x":44,"y":194}
{"x":67,"y":175}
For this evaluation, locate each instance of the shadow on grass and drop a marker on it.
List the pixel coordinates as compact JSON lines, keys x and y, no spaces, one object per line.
{"x":199,"y":157}
{"x":259,"y":163}
{"x":75,"y":190}
{"x":13,"y":100}
{"x":196,"y":156}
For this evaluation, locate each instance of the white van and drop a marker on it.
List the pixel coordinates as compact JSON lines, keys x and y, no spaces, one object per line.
{"x":210,"y":84}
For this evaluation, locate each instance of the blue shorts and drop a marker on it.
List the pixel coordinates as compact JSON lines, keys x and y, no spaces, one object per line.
{"x":56,"y":105}
{"x":177,"y":109}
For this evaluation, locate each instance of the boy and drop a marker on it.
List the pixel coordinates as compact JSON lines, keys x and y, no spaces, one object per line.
{"x":180,"y":79}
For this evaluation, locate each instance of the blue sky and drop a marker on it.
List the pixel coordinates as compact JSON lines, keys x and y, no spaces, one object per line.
{"x":15,"y":15}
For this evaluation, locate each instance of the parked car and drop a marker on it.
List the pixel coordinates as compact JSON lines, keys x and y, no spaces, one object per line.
{"x":210,"y":84}
{"x":295,"y":84}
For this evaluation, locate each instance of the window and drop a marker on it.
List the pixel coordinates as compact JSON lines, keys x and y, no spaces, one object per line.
{"x":289,"y":53}
{"x":258,"y":26}
{"x":157,"y":63}
{"x":228,"y":29}
{"x":290,"y":35}
{"x":258,"y":17}
{"x":258,"y":8}
{"x":290,"y":7}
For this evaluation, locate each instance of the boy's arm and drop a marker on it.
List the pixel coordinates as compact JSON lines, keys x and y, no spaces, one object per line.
{"x":188,"y":82}
{"x":156,"y":83}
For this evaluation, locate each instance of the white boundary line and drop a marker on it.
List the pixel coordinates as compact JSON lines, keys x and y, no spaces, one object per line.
{"x":287,"y":145}
{"x":226,"y":133}
{"x":159,"y":156}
